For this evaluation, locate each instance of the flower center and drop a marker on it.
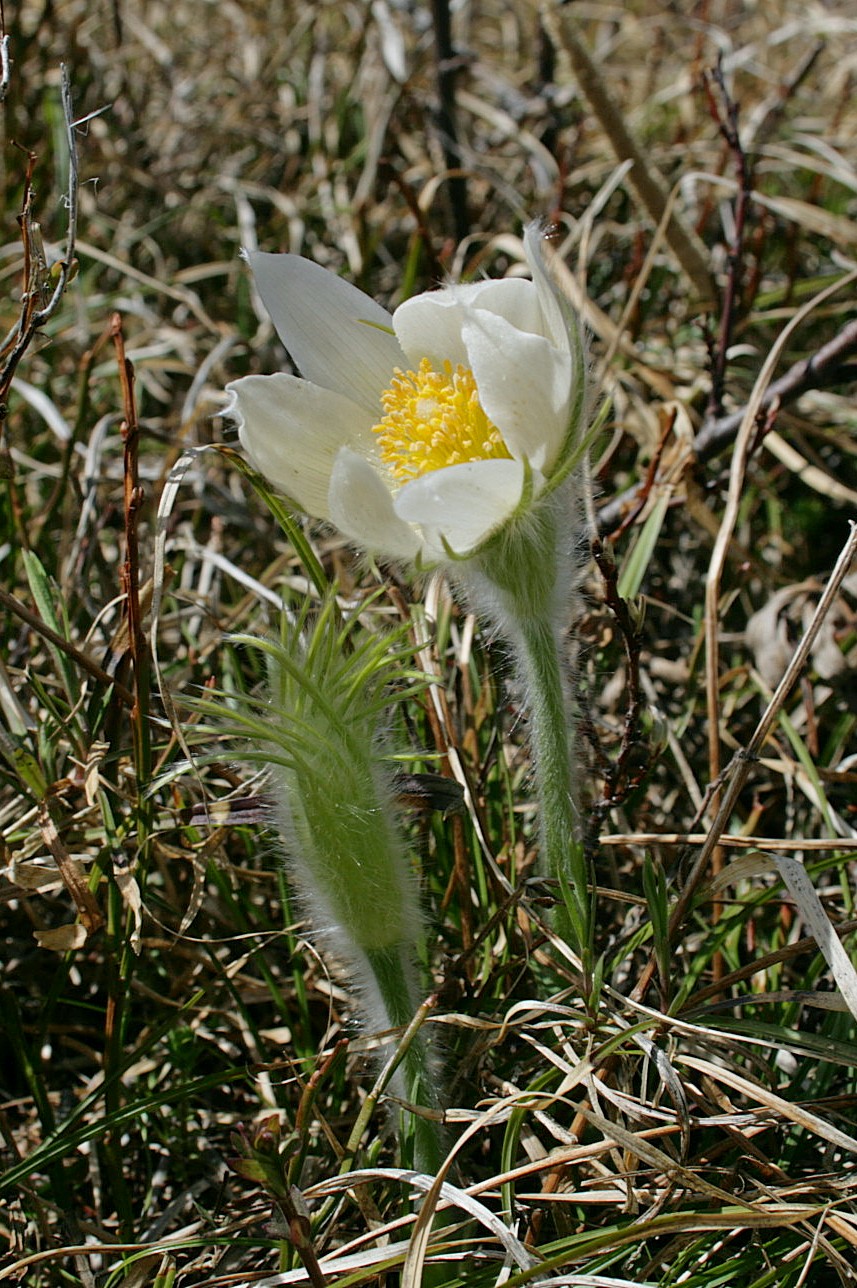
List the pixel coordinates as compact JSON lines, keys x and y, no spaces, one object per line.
{"x":433,"y":419}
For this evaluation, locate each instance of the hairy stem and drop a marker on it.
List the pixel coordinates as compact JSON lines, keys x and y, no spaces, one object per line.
{"x":550,"y":727}
{"x":526,"y":580}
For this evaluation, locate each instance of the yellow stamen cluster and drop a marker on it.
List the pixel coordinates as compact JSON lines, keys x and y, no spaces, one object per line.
{"x":433,"y":419}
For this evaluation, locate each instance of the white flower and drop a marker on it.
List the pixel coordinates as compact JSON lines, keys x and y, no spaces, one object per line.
{"x":420,"y":434}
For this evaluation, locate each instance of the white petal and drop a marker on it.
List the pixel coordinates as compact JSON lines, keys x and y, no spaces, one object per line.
{"x":513,"y":298}
{"x":292,"y":430}
{"x":524,"y":385}
{"x":338,"y":337}
{"x":462,"y":504}
{"x":429,"y":325}
{"x":361,"y":506}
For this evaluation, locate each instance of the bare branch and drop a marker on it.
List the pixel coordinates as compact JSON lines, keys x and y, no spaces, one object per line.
{"x":826,"y":367}
{"x":815,"y":372}
{"x":40,"y":318}
{"x":725,"y":113}
{"x":33,"y":319}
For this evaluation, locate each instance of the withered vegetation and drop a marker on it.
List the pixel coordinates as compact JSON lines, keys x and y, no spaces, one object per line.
{"x":692,"y":1122}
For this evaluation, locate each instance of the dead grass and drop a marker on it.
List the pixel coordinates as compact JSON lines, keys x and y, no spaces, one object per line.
{"x":696,"y":1126}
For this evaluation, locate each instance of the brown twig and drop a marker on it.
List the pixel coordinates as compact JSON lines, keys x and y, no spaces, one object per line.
{"x":725,"y":113}
{"x":77,"y":655}
{"x":66,"y":489}
{"x":760,"y":964}
{"x":648,"y":482}
{"x":617,"y":781}
{"x":726,"y":788}
{"x":387,"y":169}
{"x":813,"y":844}
{"x":825,"y":367}
{"x":33,"y":318}
{"x":717,"y":564}
{"x":828,"y":366}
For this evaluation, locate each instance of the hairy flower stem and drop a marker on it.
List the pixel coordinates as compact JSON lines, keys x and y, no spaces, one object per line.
{"x":524,"y":582}
{"x":394,"y":976}
{"x":550,"y":726}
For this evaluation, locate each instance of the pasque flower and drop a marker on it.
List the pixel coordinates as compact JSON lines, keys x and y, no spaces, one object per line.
{"x":417,"y":434}
{"x":449,"y":432}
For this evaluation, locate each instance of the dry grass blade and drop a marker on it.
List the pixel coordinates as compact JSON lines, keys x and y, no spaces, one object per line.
{"x":653,"y":192}
{"x":803,"y":892}
{"x":718,"y":557}
{"x":784,"y":1108}
{"x":739,"y":768}
{"x":730,"y":516}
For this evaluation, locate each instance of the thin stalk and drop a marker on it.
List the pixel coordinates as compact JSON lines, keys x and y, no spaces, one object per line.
{"x":523,"y":581}
{"x":114,"y":1024}
{"x":562,"y":850}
